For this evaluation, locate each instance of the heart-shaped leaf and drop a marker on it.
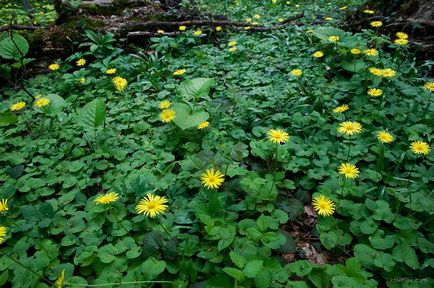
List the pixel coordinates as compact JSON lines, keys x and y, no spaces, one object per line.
{"x":14,"y":48}
{"x":185,"y":119}
{"x":195,"y":88}
{"x":92,"y":114}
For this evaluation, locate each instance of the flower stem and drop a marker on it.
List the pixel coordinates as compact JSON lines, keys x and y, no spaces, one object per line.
{"x":165,"y":230}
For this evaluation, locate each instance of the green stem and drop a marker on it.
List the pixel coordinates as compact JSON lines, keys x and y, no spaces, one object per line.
{"x":27,"y":268}
{"x":115,"y":283}
{"x":274,"y":169}
{"x":343,"y":187}
{"x":165,"y":230}
{"x":349,"y":150}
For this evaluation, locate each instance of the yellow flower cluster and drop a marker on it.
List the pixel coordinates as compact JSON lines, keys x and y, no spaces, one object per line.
{"x":179,"y":72}
{"x":376,"y":24}
{"x":296,"y":72}
{"x":318,"y":54}
{"x":17,"y":106}
{"x":120,"y":83}
{"x":386,"y":73}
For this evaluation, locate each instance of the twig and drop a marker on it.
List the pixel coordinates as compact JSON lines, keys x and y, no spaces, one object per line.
{"x":20,"y":27}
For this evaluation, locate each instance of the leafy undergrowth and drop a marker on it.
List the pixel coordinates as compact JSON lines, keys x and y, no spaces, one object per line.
{"x":87,"y":146}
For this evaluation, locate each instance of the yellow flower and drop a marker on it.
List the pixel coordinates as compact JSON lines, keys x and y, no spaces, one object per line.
{"x":323,"y":205}
{"x":349,"y":170}
{"x":167,"y":115}
{"x":281,"y":19}
{"x":388,"y":73}
{"x":429,"y":86}
{"x":3,"y":232}
{"x":198,"y":32}
{"x":248,"y":19}
{"x":401,"y":35}
{"x":120,"y":83}
{"x":376,"y":24}
{"x":355,"y":51}
{"x":257,"y":16}
{"x":218,"y":28}
{"x":401,"y":41}
{"x":232,"y":43}
{"x":107,"y":198}
{"x":152,"y":205}
{"x":296,"y":72}
{"x":232,"y":49}
{"x":203,"y":125}
{"x":82,"y":80}
{"x":212,"y":179}
{"x":61,"y":279}
{"x":182,"y":28}
{"x":255,"y":23}
{"x":4,"y":205}
{"x":350,"y":128}
{"x":420,"y":147}
{"x":110,"y":71}
{"x":309,"y":31}
{"x":376,"y":71}
{"x":385,"y":137}
{"x":274,"y":1}
{"x":371,"y":52}
{"x":343,"y":8}
{"x":288,"y":2}
{"x":277,"y":136}
{"x":375,"y":92}
{"x":54,"y":66}
{"x":179,"y":72}
{"x":333,"y":38}
{"x":318,"y":54}
{"x":368,"y":11}
{"x":247,"y":28}
{"x":297,"y":6}
{"x":164,"y":104}
{"x":81,"y":62}
{"x":41,"y":102}
{"x":328,"y":18}
{"x":159,"y":31}
{"x":342,"y":108}
{"x":17,"y":106}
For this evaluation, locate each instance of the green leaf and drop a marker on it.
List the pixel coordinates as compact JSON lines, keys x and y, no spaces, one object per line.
{"x":404,"y":253}
{"x":92,"y":114}
{"x":107,"y":253}
{"x":368,"y":226}
{"x":56,"y":104}
{"x":237,"y":259}
{"x":324,"y":33}
{"x":185,"y":118}
{"x":152,"y":267}
{"x":8,"y":118}
{"x":14,"y":47}
{"x":365,"y":254}
{"x":384,"y":261}
{"x":234,"y":272}
{"x":329,"y":239}
{"x":356,"y":66}
{"x":300,"y":268}
{"x":264,"y":278}
{"x":195,"y":88}
{"x":378,"y":241}
{"x":252,"y":268}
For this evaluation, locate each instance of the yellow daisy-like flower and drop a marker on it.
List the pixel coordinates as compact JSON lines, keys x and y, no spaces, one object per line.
{"x":385,"y":137}
{"x":323,"y":205}
{"x":164,"y":104}
{"x":110,"y":71}
{"x":309,"y":31}
{"x":375,"y":92}
{"x":152,"y":205}
{"x":232,"y":43}
{"x":247,"y":28}
{"x":54,"y":66}
{"x":212,"y":179}
{"x":198,"y":32}
{"x":159,"y":31}
{"x":429,"y":86}
{"x":80,"y":62}
{"x":257,"y":16}
{"x":41,"y":102}
{"x":376,"y":71}
{"x":120,"y":83}
{"x":376,"y":24}
{"x":342,"y":108}
{"x":167,"y":115}
{"x":255,"y":23}
{"x":82,"y":80}
{"x":218,"y":28}
{"x":274,"y":1}
{"x":277,"y":136}
{"x":61,"y":279}
{"x":420,"y":147}
{"x":179,"y":72}
{"x":333,"y":38}
{"x":107,"y":198}
{"x":281,"y":20}
{"x":349,"y":170}
{"x":248,"y":19}
{"x":371,"y":52}
{"x":203,"y":125}
{"x":401,"y":35}
{"x":3,"y":232}
{"x":401,"y":41}
{"x":296,"y":72}
{"x":355,"y":51}
{"x":4,"y":205}
{"x":232,"y":49}
{"x":182,"y":28}
{"x":388,"y":73}
{"x":318,"y":54}
{"x":350,"y":128}
{"x":343,"y":8}
{"x":328,"y":18}
{"x":368,"y":11}
{"x":17,"y":106}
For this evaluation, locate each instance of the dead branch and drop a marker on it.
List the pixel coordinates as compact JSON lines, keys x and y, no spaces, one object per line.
{"x":20,"y":27}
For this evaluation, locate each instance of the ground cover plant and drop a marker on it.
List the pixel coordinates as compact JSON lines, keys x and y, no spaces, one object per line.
{"x":294,"y":157}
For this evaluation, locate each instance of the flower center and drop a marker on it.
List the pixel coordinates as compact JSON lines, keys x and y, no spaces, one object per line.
{"x":151,"y":205}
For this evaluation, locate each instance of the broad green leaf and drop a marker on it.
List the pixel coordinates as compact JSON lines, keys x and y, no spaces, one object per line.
{"x":300,"y":268}
{"x":252,"y":268}
{"x":234,"y":272}
{"x":14,"y":48}
{"x":329,"y":239}
{"x":152,"y":267}
{"x":8,"y":118}
{"x":107,"y":253}
{"x":356,"y":66}
{"x":404,"y":253}
{"x":324,"y":33}
{"x":92,"y":114}
{"x":368,"y":226}
{"x":237,"y":259}
{"x":185,"y":118}
{"x":56,"y":104}
{"x":195,"y":88}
